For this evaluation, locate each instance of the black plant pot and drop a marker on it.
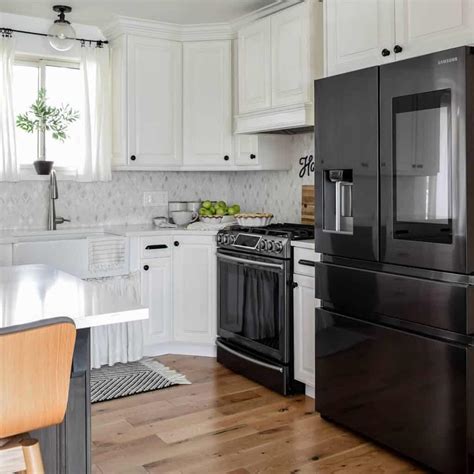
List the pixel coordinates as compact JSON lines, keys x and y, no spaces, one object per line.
{"x":43,"y":167}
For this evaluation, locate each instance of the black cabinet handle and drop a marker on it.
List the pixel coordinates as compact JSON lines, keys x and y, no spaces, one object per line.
{"x":176,"y":243}
{"x":385,"y":52}
{"x":252,"y":156}
{"x":146,"y":268}
{"x":156,"y":247}
{"x":133,"y":157}
{"x":397,"y":49}
{"x":294,"y":285}
{"x":226,"y":157}
{"x":307,"y":263}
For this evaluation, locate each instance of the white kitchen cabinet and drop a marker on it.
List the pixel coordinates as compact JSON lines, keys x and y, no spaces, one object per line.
{"x":364,"y":33}
{"x":423,"y":26}
{"x":279,"y":58}
{"x":157,"y":296}
{"x":207,"y":99}
{"x":254,"y":52}
{"x":194,"y":289}
{"x":154,"y":102}
{"x":265,"y":151}
{"x":357,"y":32}
{"x":304,"y":304}
{"x":291,"y":59}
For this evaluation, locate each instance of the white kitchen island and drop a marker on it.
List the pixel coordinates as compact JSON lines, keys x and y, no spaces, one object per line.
{"x":31,"y":293}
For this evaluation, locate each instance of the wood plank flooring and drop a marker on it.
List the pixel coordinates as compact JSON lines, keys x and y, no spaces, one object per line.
{"x":224,"y":423}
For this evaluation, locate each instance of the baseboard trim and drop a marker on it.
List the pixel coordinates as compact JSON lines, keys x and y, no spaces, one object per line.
{"x":309,"y":391}
{"x":181,"y":348}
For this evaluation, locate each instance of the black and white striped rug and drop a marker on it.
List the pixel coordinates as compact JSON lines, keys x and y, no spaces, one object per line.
{"x":122,"y":380}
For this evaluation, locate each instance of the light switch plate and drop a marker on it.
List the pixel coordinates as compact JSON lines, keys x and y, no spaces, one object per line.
{"x":155,"y":198}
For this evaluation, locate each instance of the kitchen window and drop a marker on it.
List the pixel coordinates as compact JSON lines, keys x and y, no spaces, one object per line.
{"x":62,"y":81}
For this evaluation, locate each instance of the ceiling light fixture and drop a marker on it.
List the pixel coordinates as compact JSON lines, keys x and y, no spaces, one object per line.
{"x":61,"y":35}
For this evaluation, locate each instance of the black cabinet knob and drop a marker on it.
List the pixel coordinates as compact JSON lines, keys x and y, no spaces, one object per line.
{"x":294,"y":284}
{"x":226,"y":157}
{"x":252,"y":156}
{"x":133,"y":157}
{"x":397,"y":49}
{"x":176,"y":243}
{"x":146,"y":268}
{"x":385,"y":52}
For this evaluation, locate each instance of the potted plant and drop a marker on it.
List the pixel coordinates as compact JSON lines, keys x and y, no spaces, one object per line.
{"x":42,"y":118}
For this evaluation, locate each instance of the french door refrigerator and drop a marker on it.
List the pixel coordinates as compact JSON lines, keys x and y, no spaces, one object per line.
{"x":395,"y":224}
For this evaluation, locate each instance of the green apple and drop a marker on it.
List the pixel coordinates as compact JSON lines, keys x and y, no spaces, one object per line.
{"x":220,"y":211}
{"x":212,"y":210}
{"x":222,"y":204}
{"x":202,"y":211}
{"x":206,"y":204}
{"x":235,"y":208}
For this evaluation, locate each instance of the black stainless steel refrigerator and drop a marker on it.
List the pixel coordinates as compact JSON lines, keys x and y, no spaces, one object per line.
{"x":395,"y":225}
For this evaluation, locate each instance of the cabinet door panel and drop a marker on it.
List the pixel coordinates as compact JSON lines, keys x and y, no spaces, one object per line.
{"x":290,"y":57}
{"x":357,"y":32}
{"x":156,"y":295}
{"x":247,"y":150}
{"x":154,"y":101}
{"x":194,"y":289}
{"x":304,"y":329}
{"x":254,"y":66}
{"x":207,"y":103}
{"x":423,"y":27}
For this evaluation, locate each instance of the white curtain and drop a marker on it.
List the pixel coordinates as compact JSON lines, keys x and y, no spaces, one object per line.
{"x":9,"y":167}
{"x":97,"y":114}
{"x":122,"y":342}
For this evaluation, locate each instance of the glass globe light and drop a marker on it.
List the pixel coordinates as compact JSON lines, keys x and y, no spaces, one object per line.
{"x":61,"y":35}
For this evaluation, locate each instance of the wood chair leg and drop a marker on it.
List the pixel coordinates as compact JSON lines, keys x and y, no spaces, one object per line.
{"x":32,"y":454}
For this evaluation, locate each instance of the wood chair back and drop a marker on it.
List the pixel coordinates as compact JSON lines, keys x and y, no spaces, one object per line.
{"x":35,"y":369}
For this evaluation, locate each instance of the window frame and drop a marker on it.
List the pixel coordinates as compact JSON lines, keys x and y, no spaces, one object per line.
{"x":27,"y":171}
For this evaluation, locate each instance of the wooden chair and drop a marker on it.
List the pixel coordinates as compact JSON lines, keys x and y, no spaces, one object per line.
{"x":35,"y":369}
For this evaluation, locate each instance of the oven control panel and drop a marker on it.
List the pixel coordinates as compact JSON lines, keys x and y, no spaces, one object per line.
{"x":269,"y":245}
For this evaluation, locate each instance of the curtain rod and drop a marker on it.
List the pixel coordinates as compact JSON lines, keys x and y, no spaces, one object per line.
{"x":82,"y":40}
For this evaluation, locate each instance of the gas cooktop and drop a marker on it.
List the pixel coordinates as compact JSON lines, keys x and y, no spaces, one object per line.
{"x":272,"y":240}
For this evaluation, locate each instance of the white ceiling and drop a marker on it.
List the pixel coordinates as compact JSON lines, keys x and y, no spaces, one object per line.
{"x":99,"y":12}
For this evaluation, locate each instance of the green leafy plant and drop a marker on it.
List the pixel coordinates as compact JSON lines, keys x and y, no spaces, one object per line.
{"x":46,"y":118}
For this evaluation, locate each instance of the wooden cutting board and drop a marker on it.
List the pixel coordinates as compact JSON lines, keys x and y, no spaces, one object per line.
{"x":307,"y":204}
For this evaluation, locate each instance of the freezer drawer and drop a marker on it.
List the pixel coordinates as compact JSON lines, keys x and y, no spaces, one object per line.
{"x":358,"y":292}
{"x":406,"y":391}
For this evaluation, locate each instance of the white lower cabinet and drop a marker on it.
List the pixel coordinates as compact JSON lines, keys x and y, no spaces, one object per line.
{"x":156,"y":295}
{"x":304,"y":330}
{"x":179,"y":288}
{"x":194,"y":289}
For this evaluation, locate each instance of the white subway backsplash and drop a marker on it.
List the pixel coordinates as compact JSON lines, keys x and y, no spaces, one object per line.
{"x":25,"y":204}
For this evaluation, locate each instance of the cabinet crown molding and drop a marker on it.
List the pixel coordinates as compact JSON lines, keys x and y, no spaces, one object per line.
{"x":194,"y":32}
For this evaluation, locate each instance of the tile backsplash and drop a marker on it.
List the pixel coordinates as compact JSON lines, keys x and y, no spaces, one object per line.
{"x":25,"y":204}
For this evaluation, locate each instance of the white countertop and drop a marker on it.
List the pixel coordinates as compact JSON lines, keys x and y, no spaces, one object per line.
{"x":11,"y":236}
{"x":33,"y":292}
{"x":304,"y":244}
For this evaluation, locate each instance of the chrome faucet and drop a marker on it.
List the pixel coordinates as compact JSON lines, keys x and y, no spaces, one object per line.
{"x":53,"y":195}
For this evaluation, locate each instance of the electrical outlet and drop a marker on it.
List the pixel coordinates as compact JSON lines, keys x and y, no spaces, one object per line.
{"x":155,"y":198}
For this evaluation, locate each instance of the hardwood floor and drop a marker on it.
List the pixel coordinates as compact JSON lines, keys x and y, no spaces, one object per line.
{"x":224,"y":423}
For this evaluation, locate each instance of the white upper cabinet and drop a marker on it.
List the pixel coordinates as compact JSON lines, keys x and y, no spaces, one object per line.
{"x":279,"y":58}
{"x":364,"y":33}
{"x":254,"y":51}
{"x":291,"y":73}
{"x":359,"y":34}
{"x":423,"y":27}
{"x":207,"y":111}
{"x":154,"y":102}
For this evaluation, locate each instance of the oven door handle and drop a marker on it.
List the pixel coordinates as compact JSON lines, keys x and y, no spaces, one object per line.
{"x":249,"y":359}
{"x":250,"y":262}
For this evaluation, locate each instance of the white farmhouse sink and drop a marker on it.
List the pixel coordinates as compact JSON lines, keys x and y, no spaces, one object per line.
{"x":80,"y":253}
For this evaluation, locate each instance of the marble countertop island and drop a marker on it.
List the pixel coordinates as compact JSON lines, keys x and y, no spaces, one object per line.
{"x":33,"y":292}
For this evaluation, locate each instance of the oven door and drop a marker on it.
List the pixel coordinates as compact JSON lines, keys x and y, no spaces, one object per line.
{"x":253,"y":303}
{"x":423,"y":161}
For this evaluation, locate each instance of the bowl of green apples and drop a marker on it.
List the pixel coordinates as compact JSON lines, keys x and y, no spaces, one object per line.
{"x":216,"y":212}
